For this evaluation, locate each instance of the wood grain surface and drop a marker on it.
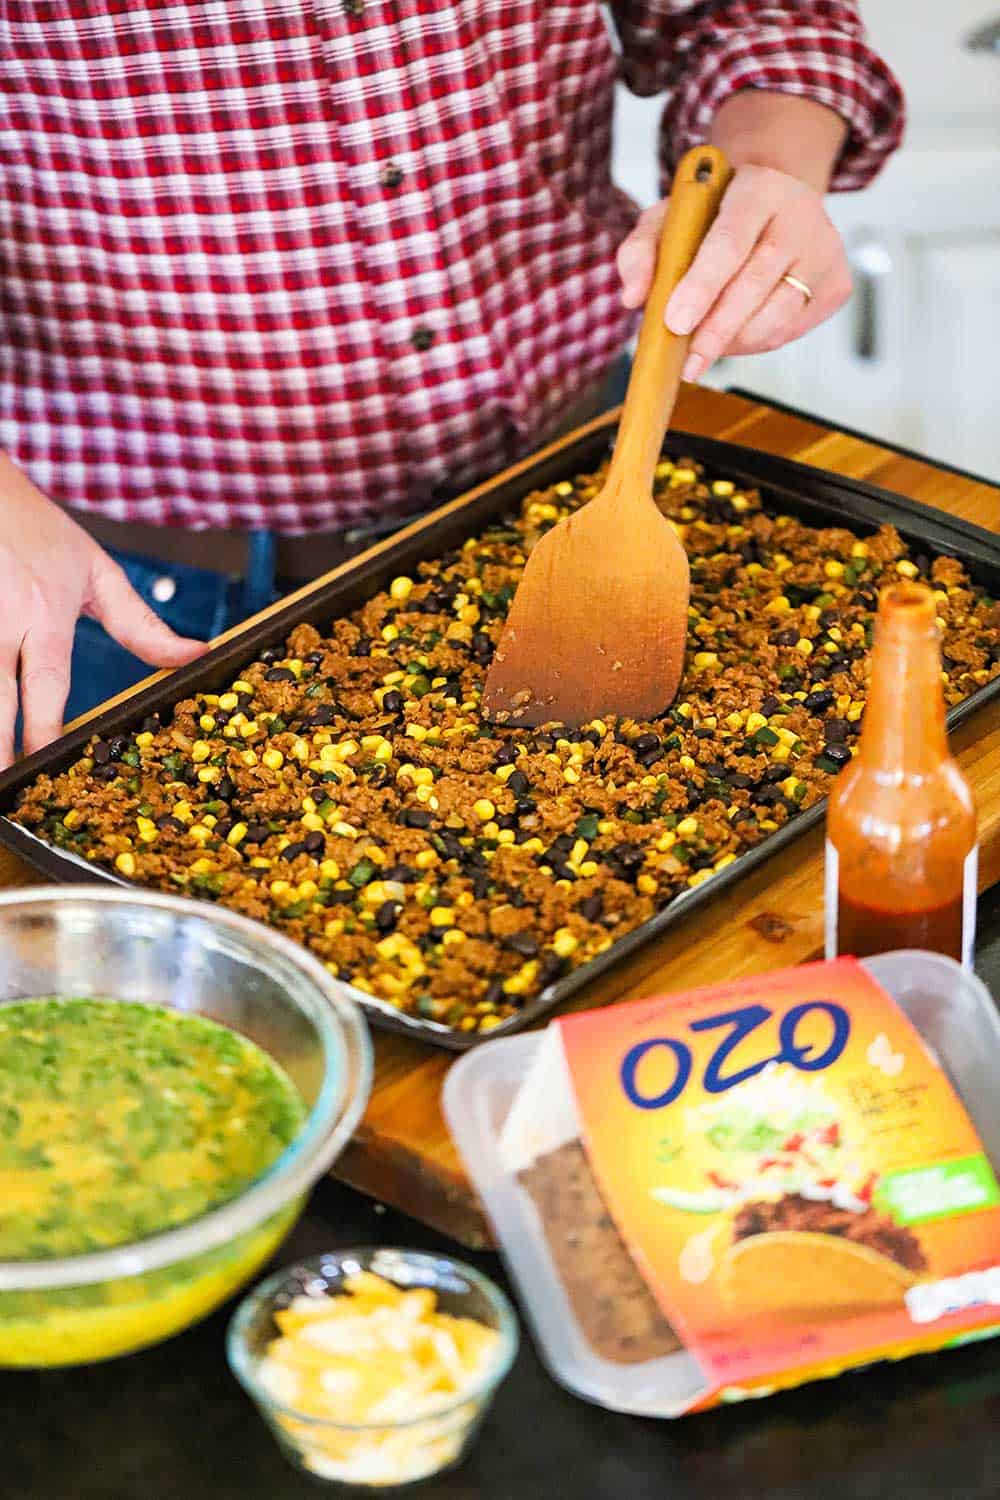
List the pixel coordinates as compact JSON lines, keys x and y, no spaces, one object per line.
{"x":402,"y":1153}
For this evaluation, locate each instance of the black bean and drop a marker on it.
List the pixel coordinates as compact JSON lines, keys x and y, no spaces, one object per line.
{"x":480,"y":886}
{"x":256,"y":833}
{"x":517,"y":898}
{"x":523,"y":943}
{"x":494,"y":992}
{"x":828,"y":617}
{"x":526,"y":805}
{"x":739,"y":779}
{"x":387,"y":916}
{"x":314,"y":841}
{"x":226,"y":788}
{"x":325,"y":713}
{"x":704,"y":734}
{"x":392,"y":703}
{"x":222,"y":827}
{"x":378,"y":776}
{"x":280,"y":674}
{"x":101,"y":752}
{"x":768,"y":796}
{"x":715,"y":768}
{"x":775,"y":773}
{"x":646,"y":742}
{"x":839,"y":754}
{"x":550,"y":968}
{"x":819,"y":699}
{"x":650,"y":758}
{"x":314,"y":658}
{"x":414,"y":817}
{"x":271,"y":654}
{"x":243,"y":701}
{"x":506,"y":820}
{"x":107,"y":772}
{"x":293,"y":851}
{"x":402,"y":874}
{"x":151,"y":724}
{"x":342,"y":898}
{"x":786,"y":637}
{"x":362,"y":648}
{"x":167,"y":824}
{"x":518,"y":783}
{"x":835,"y":731}
{"x":482,"y":647}
{"x":118,"y":746}
{"x":771,"y":705}
{"x":592,"y":907}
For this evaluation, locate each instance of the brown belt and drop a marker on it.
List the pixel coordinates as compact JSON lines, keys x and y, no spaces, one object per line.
{"x":223,"y":551}
{"x":298,"y":557}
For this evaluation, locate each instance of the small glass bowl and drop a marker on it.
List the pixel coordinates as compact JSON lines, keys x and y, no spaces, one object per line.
{"x":387,"y":1455}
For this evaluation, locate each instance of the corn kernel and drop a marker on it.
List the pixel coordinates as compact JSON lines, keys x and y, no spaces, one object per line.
{"x":666,"y":841}
{"x":687,"y":762}
{"x":390,"y":632}
{"x":855,"y":711}
{"x":484,"y":809}
{"x":280,"y":889}
{"x":329,"y":869}
{"x":333,"y":928}
{"x":73,"y":818}
{"x":248,"y":758}
{"x":200,"y":751}
{"x":273,"y":759}
{"x":906,"y":569}
{"x":425,"y":859}
{"x":313,"y":822}
{"x":686,"y":827}
{"x":755,"y":721}
{"x":442,"y":916}
{"x":416,"y":732}
{"x":699,"y":877}
{"x":307,"y":889}
{"x":344,"y":830}
{"x":532,"y":846}
{"x":777,"y":606}
{"x":781,"y":753}
{"x":646,"y":885}
{"x":571,"y":775}
{"x":300,"y":749}
{"x":125,"y":864}
{"x":210,"y":775}
{"x":706,"y":659}
{"x":453,"y":937}
{"x":401,"y":588}
{"x":490,"y":830}
{"x":228,"y":701}
{"x":144,"y":740}
{"x":833,"y":568}
{"x":564,"y":942}
{"x":506,"y":836}
{"x":207,"y":723}
{"x":723,"y":488}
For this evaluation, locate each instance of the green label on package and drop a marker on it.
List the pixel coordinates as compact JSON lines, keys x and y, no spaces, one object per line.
{"x":939,"y":1191}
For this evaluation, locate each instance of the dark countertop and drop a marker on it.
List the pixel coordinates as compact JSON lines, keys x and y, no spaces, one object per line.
{"x":171,"y":1423}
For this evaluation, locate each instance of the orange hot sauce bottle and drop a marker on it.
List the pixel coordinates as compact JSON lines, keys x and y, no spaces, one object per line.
{"x":901,"y":827}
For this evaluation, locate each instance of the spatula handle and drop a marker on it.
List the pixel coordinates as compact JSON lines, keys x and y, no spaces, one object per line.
{"x":700,"y":181}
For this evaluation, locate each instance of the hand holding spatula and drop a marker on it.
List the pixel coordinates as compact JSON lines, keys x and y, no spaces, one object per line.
{"x":599,"y":622}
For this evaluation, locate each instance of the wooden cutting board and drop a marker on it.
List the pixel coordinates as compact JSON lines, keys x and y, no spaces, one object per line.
{"x":402,"y":1153}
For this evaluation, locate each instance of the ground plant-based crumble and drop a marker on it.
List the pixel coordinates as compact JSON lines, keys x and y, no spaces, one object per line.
{"x":345,"y":789}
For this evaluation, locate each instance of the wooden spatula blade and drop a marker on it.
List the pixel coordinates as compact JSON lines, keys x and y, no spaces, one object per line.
{"x":558,"y":660}
{"x":599,"y":622}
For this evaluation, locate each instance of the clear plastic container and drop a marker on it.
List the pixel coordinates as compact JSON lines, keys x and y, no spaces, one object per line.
{"x":950,"y":1008}
{"x":377,"y":1455}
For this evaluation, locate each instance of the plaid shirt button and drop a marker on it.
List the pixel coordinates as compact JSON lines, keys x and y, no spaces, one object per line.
{"x":391,"y":175}
{"x":422,"y":338}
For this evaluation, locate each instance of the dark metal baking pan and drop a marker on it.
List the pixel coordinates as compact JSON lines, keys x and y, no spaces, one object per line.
{"x":818,"y":497}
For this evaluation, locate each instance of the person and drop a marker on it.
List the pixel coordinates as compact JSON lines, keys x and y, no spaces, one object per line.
{"x":277,"y":276}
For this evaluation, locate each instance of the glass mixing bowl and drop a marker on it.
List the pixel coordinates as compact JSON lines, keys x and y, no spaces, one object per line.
{"x":89,"y":941}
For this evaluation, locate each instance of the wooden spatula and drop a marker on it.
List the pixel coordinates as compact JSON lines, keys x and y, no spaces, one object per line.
{"x":599,"y":621}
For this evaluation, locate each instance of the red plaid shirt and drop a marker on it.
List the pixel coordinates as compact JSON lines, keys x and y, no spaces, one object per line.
{"x":297,"y":263}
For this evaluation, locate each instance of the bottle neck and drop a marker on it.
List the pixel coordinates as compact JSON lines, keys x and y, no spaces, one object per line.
{"x":904,"y":724}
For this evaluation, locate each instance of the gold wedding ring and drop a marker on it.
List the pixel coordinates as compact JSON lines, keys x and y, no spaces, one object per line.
{"x":800,"y":286}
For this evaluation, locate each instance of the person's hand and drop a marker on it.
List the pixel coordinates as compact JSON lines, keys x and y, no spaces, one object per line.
{"x":733,"y":300}
{"x":53,"y":572}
